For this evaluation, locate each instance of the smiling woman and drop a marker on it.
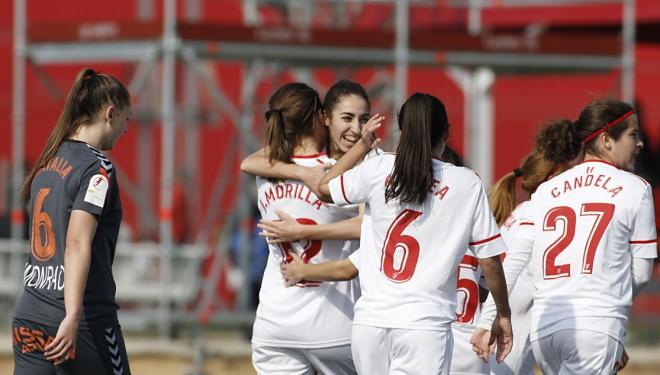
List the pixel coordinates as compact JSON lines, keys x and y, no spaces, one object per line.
{"x":346,"y":109}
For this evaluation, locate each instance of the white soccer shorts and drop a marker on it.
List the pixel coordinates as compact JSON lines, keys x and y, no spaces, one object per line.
{"x":520,"y":360}
{"x":464,"y":361}
{"x":335,"y":360}
{"x":401,"y":351}
{"x":577,"y":352}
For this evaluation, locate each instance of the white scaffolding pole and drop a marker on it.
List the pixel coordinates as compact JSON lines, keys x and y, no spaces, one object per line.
{"x":463,"y":79}
{"x":168,"y":103}
{"x":252,"y":74}
{"x":193,"y":13}
{"x":474,"y":16}
{"x":478,"y":118}
{"x":482,"y":123}
{"x":18,"y":139}
{"x":401,"y":51}
{"x":628,"y":52}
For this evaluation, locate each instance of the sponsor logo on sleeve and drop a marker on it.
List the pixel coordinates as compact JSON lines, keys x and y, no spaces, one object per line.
{"x":97,"y":190}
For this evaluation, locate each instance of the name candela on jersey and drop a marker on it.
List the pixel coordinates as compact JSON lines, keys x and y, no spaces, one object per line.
{"x":287,"y":190}
{"x":589,"y":179}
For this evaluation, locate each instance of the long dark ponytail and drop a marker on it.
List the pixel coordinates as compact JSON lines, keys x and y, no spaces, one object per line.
{"x":423,"y":124}
{"x":90,"y":92}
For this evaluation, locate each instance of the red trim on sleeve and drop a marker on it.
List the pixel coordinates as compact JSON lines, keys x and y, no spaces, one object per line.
{"x":469,"y":260}
{"x":526,"y":223}
{"x":343,"y":192}
{"x":643,"y":242}
{"x":486,"y":240}
{"x":641,"y":178}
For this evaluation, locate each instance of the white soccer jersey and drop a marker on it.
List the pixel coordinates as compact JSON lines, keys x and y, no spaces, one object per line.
{"x":520,"y":360}
{"x":586,"y":226}
{"x":468,"y":308}
{"x":410,"y":254}
{"x":311,"y":314}
{"x":468,"y":305}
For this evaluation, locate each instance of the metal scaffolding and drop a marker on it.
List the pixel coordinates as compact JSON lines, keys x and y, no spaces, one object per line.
{"x":472,"y":58}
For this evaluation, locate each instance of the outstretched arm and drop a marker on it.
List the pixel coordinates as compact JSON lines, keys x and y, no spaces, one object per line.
{"x":297,"y":270}
{"x":288,"y":229}
{"x":257,"y":164}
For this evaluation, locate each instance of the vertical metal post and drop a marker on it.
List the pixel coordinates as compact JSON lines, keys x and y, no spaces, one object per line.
{"x":18,"y":140}
{"x":474,"y":17}
{"x":628,"y":52}
{"x":250,"y":81}
{"x":401,"y":65}
{"x":482,"y":123}
{"x":478,"y":118}
{"x":168,"y":103}
{"x":251,"y":12}
{"x":193,"y":12}
{"x":463,"y":79}
{"x":144,"y":145}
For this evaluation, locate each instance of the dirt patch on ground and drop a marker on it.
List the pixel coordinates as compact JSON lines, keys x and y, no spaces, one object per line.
{"x":215,"y":366}
{"x":167,"y":366}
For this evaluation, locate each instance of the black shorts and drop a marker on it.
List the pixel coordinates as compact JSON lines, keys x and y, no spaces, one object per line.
{"x":98,"y":351}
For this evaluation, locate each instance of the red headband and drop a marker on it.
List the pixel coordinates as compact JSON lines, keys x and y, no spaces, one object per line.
{"x":607,"y":126}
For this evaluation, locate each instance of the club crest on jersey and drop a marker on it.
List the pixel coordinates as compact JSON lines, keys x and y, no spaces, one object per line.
{"x":97,"y":190}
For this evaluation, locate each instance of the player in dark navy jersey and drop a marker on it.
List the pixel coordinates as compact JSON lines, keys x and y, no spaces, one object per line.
{"x":66,"y":319}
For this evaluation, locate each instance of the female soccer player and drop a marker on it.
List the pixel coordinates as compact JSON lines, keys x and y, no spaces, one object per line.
{"x":533,"y":171}
{"x":464,"y":361}
{"x":66,"y":319}
{"x":591,"y":239}
{"x":346,"y":109}
{"x":304,"y":329}
{"x":423,"y":215}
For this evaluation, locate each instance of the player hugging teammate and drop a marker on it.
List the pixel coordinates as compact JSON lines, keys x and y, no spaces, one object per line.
{"x":427,"y":235}
{"x":410,"y":296}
